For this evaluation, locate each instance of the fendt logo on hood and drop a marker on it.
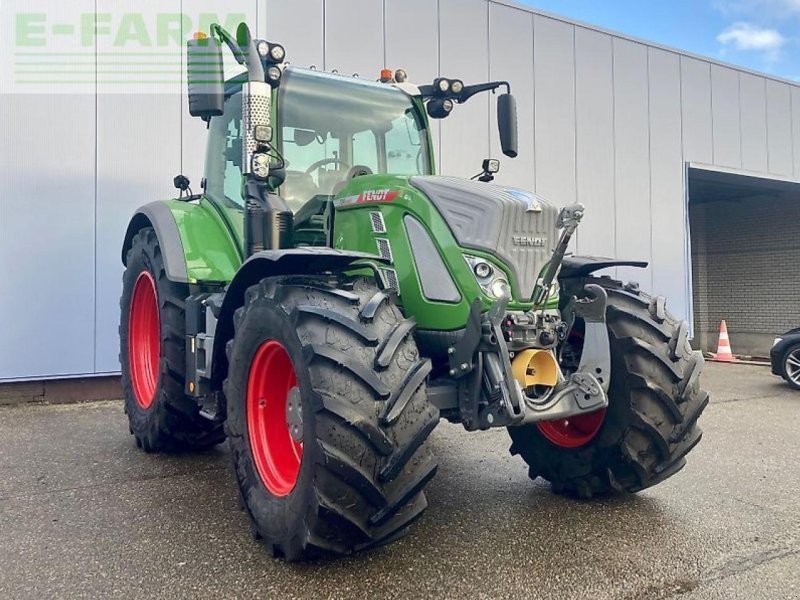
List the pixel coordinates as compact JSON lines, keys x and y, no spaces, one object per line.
{"x":367,"y":197}
{"x":529,"y":241}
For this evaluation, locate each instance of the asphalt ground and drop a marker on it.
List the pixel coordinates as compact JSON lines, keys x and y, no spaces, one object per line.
{"x":84,"y":514}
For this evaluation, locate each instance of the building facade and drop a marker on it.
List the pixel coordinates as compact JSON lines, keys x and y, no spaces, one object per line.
{"x":618,"y":124}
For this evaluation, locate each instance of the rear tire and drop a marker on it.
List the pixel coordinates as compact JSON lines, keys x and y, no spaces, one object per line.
{"x":357,"y":478}
{"x":153,"y":356}
{"x":655,"y":399}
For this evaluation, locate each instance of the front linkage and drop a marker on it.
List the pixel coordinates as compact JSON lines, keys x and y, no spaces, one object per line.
{"x":485,"y":380}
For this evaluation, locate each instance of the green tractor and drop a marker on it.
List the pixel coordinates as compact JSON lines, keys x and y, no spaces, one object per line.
{"x":327,"y":299}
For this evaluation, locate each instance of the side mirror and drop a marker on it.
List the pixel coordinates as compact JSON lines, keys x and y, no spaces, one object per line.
{"x":205,"y":77}
{"x":507,"y":124}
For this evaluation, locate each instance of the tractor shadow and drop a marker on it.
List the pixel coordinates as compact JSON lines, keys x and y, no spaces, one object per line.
{"x":483,"y":509}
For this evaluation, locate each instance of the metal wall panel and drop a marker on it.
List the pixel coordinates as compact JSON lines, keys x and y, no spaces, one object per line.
{"x":420,"y":59}
{"x":696,"y":105}
{"x":554,"y":78}
{"x":726,"y":121}
{"x":47,"y":204}
{"x":464,"y":50}
{"x":632,"y":158}
{"x":511,"y":59}
{"x":796,"y":130}
{"x":298,"y":26}
{"x":779,"y":128}
{"x":667,"y":194}
{"x":354,"y":37}
{"x":594,"y":116}
{"x":753,"y":98}
{"x":135,"y":162}
{"x":47,"y":235}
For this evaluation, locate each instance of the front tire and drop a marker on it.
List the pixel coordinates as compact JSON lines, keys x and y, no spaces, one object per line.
{"x":790,"y":366}
{"x":650,"y":424}
{"x":153,"y":356}
{"x":327,"y":416}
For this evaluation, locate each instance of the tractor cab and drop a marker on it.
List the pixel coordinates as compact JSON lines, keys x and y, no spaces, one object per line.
{"x":329,"y":129}
{"x":284,"y":141}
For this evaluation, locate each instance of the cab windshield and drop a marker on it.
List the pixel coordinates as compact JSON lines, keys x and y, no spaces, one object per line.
{"x":333,"y":128}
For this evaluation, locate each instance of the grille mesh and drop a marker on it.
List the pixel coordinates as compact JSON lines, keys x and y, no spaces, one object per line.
{"x":385,"y":249}
{"x":378,"y":224}
{"x":391,"y":279}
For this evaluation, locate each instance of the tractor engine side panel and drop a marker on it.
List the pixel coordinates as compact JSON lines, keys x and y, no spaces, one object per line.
{"x":386,"y":216}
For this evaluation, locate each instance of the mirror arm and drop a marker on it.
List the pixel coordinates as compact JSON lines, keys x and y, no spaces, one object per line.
{"x":428,"y":91}
{"x":470,"y":90}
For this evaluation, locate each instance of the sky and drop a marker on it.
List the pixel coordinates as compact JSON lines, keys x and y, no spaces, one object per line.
{"x":762,"y":35}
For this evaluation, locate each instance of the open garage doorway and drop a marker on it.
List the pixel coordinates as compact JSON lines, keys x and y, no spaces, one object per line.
{"x":745,"y":240}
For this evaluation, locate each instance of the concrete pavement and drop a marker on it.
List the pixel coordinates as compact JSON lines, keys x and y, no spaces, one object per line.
{"x":84,"y":514}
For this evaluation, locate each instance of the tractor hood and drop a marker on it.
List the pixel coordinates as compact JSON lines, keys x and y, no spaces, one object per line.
{"x":517,"y":227}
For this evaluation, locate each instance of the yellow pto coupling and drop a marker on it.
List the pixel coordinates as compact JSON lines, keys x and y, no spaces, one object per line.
{"x":535,"y":367}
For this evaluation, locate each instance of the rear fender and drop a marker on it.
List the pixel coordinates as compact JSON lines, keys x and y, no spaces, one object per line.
{"x":158,"y":216}
{"x":195,"y":242}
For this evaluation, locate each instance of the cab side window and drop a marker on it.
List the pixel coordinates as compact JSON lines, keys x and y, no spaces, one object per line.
{"x":365,"y":150}
{"x":223,"y":170}
{"x":312,"y":166}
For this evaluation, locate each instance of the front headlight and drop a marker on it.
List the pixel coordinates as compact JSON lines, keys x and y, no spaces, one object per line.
{"x":500,"y":288}
{"x":492,"y":281}
{"x":777,"y":341}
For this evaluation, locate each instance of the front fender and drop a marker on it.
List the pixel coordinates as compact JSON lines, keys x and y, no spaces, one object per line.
{"x":574,"y":267}
{"x":271,"y":263}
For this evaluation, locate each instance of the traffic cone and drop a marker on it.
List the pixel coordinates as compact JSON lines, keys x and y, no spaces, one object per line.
{"x":724,"y":353}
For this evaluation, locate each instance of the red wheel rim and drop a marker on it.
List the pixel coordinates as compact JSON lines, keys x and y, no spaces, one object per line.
{"x":276,"y":454}
{"x":144,"y":339}
{"x":573,"y":432}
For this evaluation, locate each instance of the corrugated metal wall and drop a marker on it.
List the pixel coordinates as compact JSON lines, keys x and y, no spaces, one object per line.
{"x":605,"y":120}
